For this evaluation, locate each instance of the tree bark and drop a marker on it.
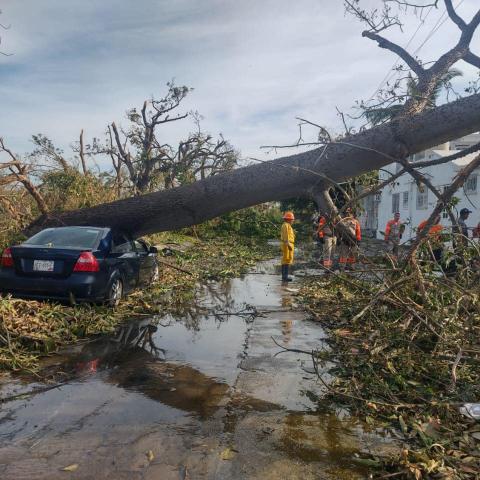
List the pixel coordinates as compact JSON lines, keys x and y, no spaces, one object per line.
{"x":296,"y":175}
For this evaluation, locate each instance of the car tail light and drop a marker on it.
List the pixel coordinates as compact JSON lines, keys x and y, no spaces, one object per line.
{"x":7,"y":259}
{"x":86,"y":263}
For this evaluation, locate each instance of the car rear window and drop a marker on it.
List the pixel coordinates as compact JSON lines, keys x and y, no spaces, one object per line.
{"x":66,"y":237}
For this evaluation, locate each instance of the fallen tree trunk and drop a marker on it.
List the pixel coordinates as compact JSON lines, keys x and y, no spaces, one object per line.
{"x":297,"y":175}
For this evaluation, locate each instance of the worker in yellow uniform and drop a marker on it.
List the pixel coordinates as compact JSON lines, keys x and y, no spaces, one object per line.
{"x":287,"y":237}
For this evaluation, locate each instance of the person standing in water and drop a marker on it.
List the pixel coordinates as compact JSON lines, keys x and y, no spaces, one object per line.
{"x":287,"y":237}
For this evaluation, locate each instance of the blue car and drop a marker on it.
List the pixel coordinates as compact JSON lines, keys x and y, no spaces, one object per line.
{"x":78,"y":264}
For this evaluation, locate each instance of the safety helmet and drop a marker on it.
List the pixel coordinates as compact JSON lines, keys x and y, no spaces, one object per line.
{"x":288,"y":216}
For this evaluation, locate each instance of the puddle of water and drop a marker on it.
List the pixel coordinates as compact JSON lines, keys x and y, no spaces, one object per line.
{"x":186,"y":390}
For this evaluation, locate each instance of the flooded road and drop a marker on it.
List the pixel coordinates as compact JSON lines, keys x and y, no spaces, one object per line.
{"x":205,"y":396}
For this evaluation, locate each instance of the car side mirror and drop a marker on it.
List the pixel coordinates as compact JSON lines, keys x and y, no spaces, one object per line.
{"x":153,"y":249}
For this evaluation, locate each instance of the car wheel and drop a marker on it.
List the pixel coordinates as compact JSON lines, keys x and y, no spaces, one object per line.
{"x":155,"y":274}
{"x":114,"y":292}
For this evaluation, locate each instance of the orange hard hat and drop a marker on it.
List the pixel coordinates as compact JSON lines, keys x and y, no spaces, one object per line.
{"x":288,"y":216}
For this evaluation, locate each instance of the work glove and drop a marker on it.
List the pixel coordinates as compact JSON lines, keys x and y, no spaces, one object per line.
{"x":290,"y":247}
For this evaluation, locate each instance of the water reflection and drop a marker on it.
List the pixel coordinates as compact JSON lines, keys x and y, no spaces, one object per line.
{"x":132,"y":361}
{"x":178,"y":386}
{"x":186,"y":386}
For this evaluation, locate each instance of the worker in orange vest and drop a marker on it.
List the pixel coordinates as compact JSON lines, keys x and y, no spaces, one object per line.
{"x":287,"y":238}
{"x":393,"y":233}
{"x":434,"y":236}
{"x":326,"y":235}
{"x":349,"y":236}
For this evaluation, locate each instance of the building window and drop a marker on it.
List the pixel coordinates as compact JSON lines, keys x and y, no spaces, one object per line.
{"x":422,"y":198}
{"x":471,"y":184}
{"x":395,"y":202}
{"x":405,"y":200}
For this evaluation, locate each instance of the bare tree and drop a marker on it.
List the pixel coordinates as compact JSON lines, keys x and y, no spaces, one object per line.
{"x":152,"y":164}
{"x":140,"y":148}
{"x":198,"y":157}
{"x":18,"y":172}
{"x":45,"y":153}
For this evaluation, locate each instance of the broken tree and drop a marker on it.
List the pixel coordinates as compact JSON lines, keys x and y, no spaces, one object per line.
{"x":415,"y":127}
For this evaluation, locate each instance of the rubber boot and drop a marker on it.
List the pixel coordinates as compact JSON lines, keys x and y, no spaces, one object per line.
{"x":285,"y":277}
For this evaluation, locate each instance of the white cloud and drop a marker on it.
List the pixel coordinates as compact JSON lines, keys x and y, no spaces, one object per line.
{"x":254,"y":65}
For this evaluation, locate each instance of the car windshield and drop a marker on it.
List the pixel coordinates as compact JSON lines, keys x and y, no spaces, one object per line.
{"x":66,"y":237}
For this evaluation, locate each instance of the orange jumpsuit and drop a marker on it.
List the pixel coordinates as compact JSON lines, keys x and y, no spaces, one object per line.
{"x":347,"y":247}
{"x":329,"y":241}
{"x":434,"y":234}
{"x":393,"y":233}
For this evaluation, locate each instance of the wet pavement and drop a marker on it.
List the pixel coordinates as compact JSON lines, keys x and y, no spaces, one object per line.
{"x":205,"y":396}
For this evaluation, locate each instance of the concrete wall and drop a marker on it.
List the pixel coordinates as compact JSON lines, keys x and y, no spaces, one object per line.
{"x":441,"y":176}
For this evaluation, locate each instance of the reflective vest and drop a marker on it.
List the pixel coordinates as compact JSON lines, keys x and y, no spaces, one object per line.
{"x":393,"y":229}
{"x":435,"y":230}
{"x":353,"y":227}
{"x":324,"y":229}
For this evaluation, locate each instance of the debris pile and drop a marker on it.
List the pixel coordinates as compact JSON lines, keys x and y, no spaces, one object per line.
{"x":406,"y":350}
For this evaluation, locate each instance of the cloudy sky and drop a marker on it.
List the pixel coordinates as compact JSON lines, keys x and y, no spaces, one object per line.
{"x":254,"y":64}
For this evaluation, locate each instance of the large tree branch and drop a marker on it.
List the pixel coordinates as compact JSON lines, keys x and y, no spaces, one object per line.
{"x":457,"y":183}
{"x":393,"y":47}
{"x":449,"y":158}
{"x":454,"y":16}
{"x":469,"y":30}
{"x":421,"y":178}
{"x":282,"y":178}
{"x":375,"y":188}
{"x":124,"y":156}
{"x":472,"y":59}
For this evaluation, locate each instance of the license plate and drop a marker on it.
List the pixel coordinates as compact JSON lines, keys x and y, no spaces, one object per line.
{"x":43,"y":265}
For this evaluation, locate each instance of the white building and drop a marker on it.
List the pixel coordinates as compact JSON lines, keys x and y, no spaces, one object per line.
{"x":416,"y":204}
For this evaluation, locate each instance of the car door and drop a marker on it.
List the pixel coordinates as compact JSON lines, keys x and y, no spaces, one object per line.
{"x":127,"y":260}
{"x":147,"y":261}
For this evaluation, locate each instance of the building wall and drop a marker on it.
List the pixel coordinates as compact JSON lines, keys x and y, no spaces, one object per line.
{"x":368,"y":217}
{"x":414,"y":211}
